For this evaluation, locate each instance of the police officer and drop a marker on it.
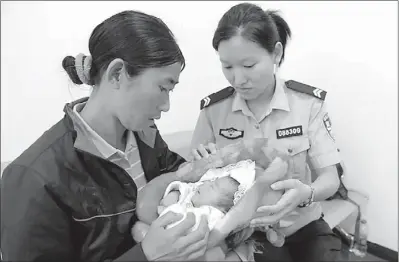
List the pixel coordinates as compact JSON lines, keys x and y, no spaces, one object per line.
{"x":292,"y":115}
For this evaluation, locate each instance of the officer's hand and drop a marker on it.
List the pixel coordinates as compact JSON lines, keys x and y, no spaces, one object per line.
{"x":176,"y":243}
{"x":204,"y":151}
{"x":295,"y":193}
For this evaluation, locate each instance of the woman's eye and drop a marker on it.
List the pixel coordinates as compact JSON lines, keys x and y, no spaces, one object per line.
{"x":227,"y":67}
{"x":249,"y":66}
{"x":163,"y":89}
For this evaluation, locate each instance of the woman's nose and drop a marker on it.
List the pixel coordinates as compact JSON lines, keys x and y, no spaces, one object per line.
{"x":166,"y":104}
{"x":239,"y":78}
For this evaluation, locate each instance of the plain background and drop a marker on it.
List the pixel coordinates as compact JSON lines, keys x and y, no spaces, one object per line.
{"x":348,"y":49}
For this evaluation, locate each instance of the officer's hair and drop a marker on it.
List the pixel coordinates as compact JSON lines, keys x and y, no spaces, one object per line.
{"x":265,"y":28}
{"x":226,"y":199}
{"x":142,"y":41}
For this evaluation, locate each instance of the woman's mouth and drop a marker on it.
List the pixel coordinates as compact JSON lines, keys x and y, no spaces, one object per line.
{"x":243,"y":90}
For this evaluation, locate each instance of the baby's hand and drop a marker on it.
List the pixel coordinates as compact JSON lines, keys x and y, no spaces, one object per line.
{"x":170,"y":199}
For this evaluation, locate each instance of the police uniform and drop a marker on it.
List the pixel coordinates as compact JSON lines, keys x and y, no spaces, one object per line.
{"x":296,"y":121}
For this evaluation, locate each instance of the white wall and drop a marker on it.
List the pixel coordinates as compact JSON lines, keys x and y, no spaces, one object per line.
{"x":346,"y":48}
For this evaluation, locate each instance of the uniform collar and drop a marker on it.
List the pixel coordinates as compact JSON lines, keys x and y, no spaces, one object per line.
{"x":278,"y":101}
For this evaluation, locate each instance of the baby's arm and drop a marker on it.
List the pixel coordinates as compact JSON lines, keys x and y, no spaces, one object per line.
{"x":171,"y":198}
{"x":150,"y":196}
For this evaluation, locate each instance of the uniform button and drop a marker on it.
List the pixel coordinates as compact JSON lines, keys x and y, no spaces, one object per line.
{"x":257,"y":126}
{"x":289,"y":150}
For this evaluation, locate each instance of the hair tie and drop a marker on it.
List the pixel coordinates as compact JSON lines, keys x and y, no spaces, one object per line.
{"x":83,"y":65}
{"x":86,"y":67}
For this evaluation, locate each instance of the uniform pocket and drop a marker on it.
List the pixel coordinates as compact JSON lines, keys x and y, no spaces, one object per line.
{"x":297,"y":150}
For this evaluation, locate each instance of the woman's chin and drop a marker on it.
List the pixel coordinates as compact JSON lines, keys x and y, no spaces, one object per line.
{"x":247,"y":95}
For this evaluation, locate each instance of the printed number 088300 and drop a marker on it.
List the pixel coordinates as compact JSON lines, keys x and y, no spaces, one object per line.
{"x":289,"y":131}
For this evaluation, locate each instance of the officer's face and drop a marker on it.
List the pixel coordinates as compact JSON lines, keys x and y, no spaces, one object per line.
{"x":247,"y":66}
{"x":141,"y":99}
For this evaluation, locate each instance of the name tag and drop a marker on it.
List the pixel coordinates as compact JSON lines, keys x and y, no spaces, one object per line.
{"x":289,"y":132}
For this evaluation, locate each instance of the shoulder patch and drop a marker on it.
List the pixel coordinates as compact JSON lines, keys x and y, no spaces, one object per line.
{"x":216,"y":97}
{"x":310,"y":90}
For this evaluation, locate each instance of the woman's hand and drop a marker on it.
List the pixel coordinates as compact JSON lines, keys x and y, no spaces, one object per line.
{"x":204,"y":151}
{"x":176,"y":243}
{"x":139,"y":230}
{"x":295,"y":193}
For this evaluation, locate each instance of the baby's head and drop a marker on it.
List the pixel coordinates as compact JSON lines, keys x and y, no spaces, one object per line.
{"x":218,"y":193}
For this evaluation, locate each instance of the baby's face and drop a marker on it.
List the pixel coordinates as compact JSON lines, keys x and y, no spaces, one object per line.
{"x":210,"y":192}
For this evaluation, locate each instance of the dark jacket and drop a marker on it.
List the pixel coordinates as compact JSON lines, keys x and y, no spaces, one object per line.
{"x":63,"y":204}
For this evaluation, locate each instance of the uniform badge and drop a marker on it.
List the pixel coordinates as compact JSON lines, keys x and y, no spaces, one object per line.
{"x":289,"y":132}
{"x":327,"y":125}
{"x":231,"y":133}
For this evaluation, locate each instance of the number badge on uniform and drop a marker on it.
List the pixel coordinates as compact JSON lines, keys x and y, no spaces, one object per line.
{"x":327,"y":125}
{"x":289,"y":132}
{"x":231,"y":133}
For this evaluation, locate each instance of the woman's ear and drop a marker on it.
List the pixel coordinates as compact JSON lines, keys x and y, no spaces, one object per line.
{"x":278,"y":53}
{"x":114,"y":72}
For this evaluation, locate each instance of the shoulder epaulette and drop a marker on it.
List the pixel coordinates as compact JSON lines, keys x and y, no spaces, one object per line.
{"x":310,"y":90}
{"x":216,"y":97}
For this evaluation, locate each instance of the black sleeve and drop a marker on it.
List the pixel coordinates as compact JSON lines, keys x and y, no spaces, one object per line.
{"x":168,"y":160}
{"x":136,"y":253}
{"x":33,"y":226}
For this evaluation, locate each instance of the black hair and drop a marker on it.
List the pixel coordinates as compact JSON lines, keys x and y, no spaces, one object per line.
{"x":265,"y":28}
{"x":142,"y":41}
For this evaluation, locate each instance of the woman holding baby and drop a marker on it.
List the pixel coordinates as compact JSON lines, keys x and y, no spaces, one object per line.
{"x":293,"y":118}
{"x":71,"y":196}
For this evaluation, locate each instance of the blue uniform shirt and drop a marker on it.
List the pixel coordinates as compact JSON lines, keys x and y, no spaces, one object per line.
{"x":295,"y":121}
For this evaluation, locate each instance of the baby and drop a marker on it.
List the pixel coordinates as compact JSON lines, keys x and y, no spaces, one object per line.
{"x":214,"y":191}
{"x":212,"y":198}
{"x":217,"y":191}
{"x":213,"y":195}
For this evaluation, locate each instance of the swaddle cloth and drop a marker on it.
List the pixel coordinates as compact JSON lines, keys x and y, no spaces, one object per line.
{"x":243,"y":172}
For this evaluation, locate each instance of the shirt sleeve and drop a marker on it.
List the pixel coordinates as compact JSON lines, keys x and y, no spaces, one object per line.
{"x":203,"y":132}
{"x":323,"y":150}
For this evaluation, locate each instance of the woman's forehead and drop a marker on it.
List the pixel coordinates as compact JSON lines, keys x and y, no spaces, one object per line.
{"x":239,"y":49}
{"x":167,"y":75}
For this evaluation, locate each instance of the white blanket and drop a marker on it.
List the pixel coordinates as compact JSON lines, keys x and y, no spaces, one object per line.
{"x":243,"y":172}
